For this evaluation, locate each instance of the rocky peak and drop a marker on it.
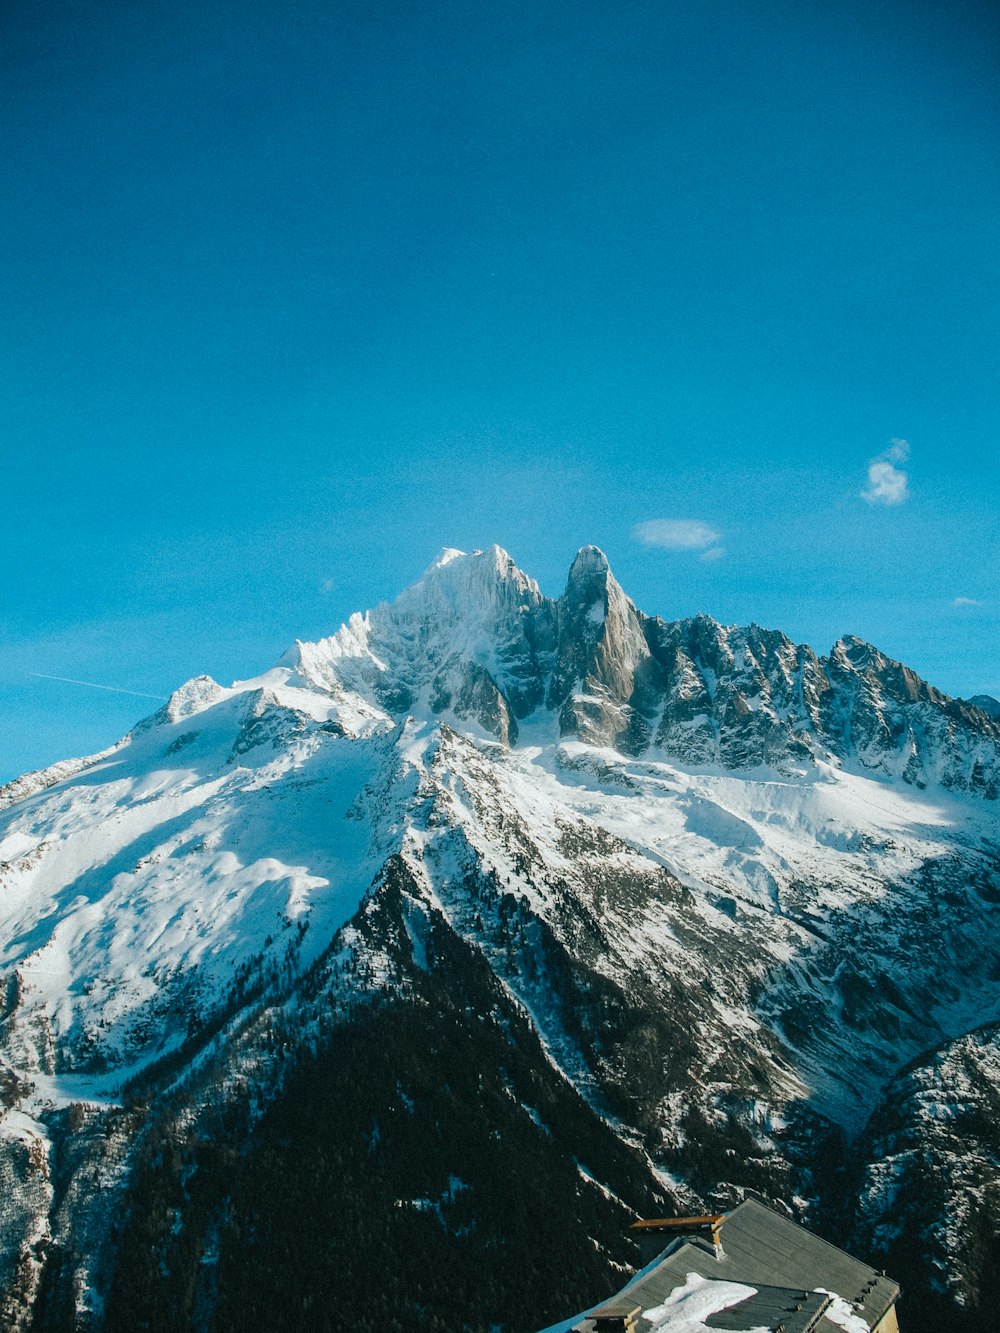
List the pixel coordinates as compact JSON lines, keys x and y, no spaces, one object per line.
{"x":463,"y":587}
{"x":192,"y":697}
{"x":602,"y":655}
{"x":588,"y":577}
{"x":855,"y":655}
{"x":476,"y":639}
{"x":881,"y":714}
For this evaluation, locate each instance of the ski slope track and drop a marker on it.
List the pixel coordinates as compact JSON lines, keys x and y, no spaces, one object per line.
{"x":735,"y":903}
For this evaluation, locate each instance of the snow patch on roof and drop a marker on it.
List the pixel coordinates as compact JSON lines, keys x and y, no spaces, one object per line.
{"x":687,"y":1308}
{"x":839,"y":1312}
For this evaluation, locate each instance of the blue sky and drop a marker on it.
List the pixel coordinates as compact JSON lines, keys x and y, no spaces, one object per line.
{"x":296,"y":295}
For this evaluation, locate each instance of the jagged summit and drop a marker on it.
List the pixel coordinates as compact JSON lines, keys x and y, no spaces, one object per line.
{"x":475,"y":640}
{"x":192,"y":697}
{"x":444,"y":557}
{"x":471,"y":568}
{"x":592,"y":589}
{"x":589,"y":564}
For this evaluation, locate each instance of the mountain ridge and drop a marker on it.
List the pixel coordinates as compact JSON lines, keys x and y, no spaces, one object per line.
{"x":594,"y":636}
{"x":718,"y":891}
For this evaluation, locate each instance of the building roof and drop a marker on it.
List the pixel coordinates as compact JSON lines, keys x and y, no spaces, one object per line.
{"x":796,"y":1277}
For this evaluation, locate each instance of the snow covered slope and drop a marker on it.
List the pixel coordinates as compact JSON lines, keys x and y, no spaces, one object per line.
{"x":729,"y":889}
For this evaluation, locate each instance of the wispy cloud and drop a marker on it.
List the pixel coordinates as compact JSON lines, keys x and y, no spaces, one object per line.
{"x":967,"y":601}
{"x":680,"y":534}
{"x":888,"y":484}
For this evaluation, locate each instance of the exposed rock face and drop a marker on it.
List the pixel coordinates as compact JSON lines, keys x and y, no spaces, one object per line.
{"x":603,"y":669}
{"x":477,"y":639}
{"x":895,"y":723}
{"x":987,"y":704}
{"x":930,"y":1197}
{"x":660,"y":908}
{"x":474,"y":638}
{"x":738,"y":697}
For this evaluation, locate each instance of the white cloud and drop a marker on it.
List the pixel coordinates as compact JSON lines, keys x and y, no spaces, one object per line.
{"x":887,"y":483}
{"x":327,"y":585}
{"x":714,"y":553}
{"x":966,"y":601}
{"x":678,"y":534}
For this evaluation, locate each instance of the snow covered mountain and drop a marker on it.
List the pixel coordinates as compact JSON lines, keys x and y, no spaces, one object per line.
{"x":490,"y":888}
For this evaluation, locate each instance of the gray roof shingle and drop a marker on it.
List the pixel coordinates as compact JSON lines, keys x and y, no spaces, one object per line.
{"x":785,"y":1263}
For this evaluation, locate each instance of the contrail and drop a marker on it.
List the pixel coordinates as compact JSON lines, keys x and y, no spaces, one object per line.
{"x":115,"y":689}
